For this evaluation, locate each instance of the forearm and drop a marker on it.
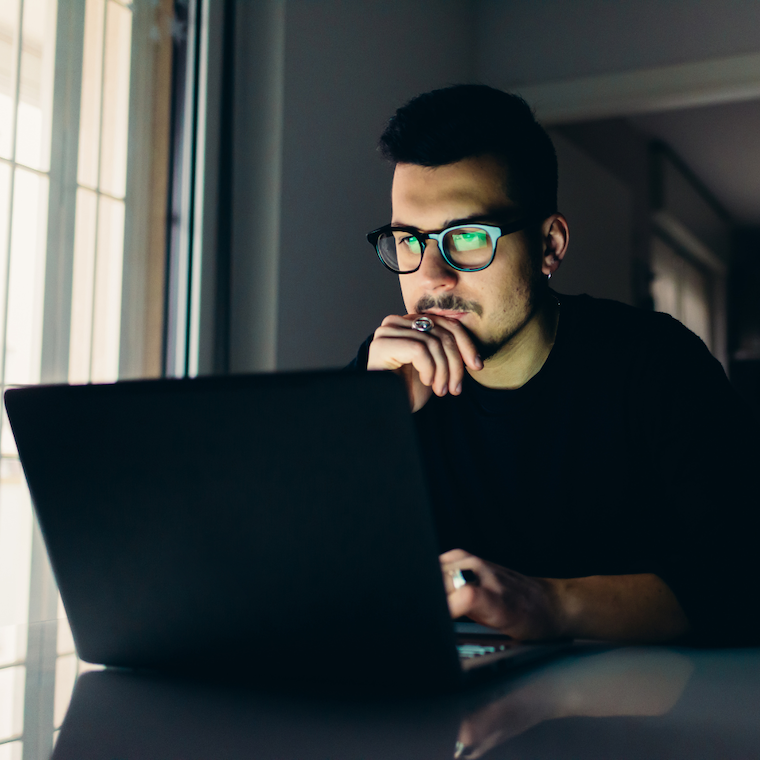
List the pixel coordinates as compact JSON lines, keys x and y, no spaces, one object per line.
{"x":639,"y":608}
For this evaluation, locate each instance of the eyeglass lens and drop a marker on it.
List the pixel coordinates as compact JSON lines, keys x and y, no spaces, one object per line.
{"x":466,"y":247}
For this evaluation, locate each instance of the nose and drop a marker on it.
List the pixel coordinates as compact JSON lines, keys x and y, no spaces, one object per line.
{"x":434,"y":272}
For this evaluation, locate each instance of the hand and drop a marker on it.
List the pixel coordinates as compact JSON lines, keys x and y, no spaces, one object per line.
{"x":430,"y":362}
{"x":621,"y":682}
{"x":520,"y":606}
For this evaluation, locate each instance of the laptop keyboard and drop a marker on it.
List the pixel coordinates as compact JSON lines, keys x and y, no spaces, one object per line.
{"x":469,"y":650}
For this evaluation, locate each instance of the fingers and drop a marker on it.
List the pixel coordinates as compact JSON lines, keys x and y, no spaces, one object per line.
{"x":480,"y":601}
{"x":439,"y":355}
{"x":462,"y":601}
{"x":521,"y":606}
{"x":462,"y":340}
{"x":482,"y":605}
{"x":464,"y":344}
{"x":454,"y":555}
{"x":454,"y":368}
{"x":396,"y":346}
{"x":458,"y":566}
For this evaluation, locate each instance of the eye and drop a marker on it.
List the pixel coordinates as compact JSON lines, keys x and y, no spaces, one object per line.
{"x":470,"y":240}
{"x":412,"y":243}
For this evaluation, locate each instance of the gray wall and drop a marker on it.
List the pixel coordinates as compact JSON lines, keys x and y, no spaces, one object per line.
{"x":345,"y":67}
{"x":745,"y":305}
{"x":348,"y":66}
{"x":624,"y":152}
{"x":531,"y":41}
{"x":599,"y":211}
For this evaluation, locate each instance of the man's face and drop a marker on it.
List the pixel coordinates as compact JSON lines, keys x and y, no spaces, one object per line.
{"x":495,"y":303}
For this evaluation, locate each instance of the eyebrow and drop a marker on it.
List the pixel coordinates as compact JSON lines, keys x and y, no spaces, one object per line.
{"x":484,"y":217}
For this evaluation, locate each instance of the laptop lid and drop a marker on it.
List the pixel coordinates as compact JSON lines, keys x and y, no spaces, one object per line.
{"x":256,"y":526}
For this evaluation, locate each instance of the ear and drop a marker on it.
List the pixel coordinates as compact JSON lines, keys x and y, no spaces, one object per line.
{"x":554,"y":238}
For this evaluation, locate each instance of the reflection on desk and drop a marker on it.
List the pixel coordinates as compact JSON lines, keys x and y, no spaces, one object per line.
{"x":596,"y":702}
{"x":38,"y":668}
{"x":620,"y":682}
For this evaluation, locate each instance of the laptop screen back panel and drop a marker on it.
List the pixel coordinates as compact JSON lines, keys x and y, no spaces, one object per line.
{"x":261,"y":525}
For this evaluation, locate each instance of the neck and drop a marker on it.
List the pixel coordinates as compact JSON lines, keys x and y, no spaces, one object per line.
{"x":518,"y":360}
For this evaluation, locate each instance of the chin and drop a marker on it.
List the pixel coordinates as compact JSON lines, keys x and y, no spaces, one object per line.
{"x":487,"y":349}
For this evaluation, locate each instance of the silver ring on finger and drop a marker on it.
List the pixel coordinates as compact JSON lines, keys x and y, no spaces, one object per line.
{"x":423,"y":324}
{"x":461,"y":578}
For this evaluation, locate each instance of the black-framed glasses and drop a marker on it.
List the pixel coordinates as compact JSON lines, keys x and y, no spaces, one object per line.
{"x":469,"y":247}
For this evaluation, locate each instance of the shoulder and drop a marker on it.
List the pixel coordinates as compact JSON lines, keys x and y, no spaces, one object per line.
{"x":649,"y":356}
{"x":601,"y":316}
{"x":617,"y":330}
{"x":359,"y":362}
{"x":667,"y":373}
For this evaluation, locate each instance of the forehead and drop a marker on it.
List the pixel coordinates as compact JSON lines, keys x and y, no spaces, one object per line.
{"x":427,"y":197}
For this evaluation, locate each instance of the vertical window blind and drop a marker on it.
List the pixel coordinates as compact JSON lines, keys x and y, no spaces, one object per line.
{"x":84,"y":141}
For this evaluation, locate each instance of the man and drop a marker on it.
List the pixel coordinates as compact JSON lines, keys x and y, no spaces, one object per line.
{"x":588,"y":461}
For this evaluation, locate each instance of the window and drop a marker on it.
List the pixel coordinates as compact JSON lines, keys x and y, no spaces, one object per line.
{"x":690,"y":250}
{"x":683,"y":290}
{"x":100,"y":194}
{"x":84,"y":141}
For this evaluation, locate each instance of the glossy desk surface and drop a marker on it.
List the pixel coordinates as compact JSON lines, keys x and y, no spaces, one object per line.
{"x":593,"y":701}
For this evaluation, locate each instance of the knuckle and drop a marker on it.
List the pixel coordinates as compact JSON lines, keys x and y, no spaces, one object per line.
{"x":434,"y":344}
{"x":449,"y":339}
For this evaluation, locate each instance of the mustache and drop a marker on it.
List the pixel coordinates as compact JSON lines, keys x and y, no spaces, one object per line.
{"x":448,"y":302}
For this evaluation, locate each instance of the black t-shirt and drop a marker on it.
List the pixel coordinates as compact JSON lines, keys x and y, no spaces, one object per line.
{"x":628,"y":452}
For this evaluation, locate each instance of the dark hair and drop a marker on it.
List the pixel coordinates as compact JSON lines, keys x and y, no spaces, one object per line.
{"x":453,"y":123}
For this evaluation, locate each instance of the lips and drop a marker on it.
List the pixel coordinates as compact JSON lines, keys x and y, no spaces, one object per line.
{"x":447,"y":314}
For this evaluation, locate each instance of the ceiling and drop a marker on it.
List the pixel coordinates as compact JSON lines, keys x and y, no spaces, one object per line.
{"x":721,"y":145}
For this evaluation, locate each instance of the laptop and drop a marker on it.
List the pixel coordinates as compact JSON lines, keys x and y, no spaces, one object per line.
{"x":273,"y":527}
